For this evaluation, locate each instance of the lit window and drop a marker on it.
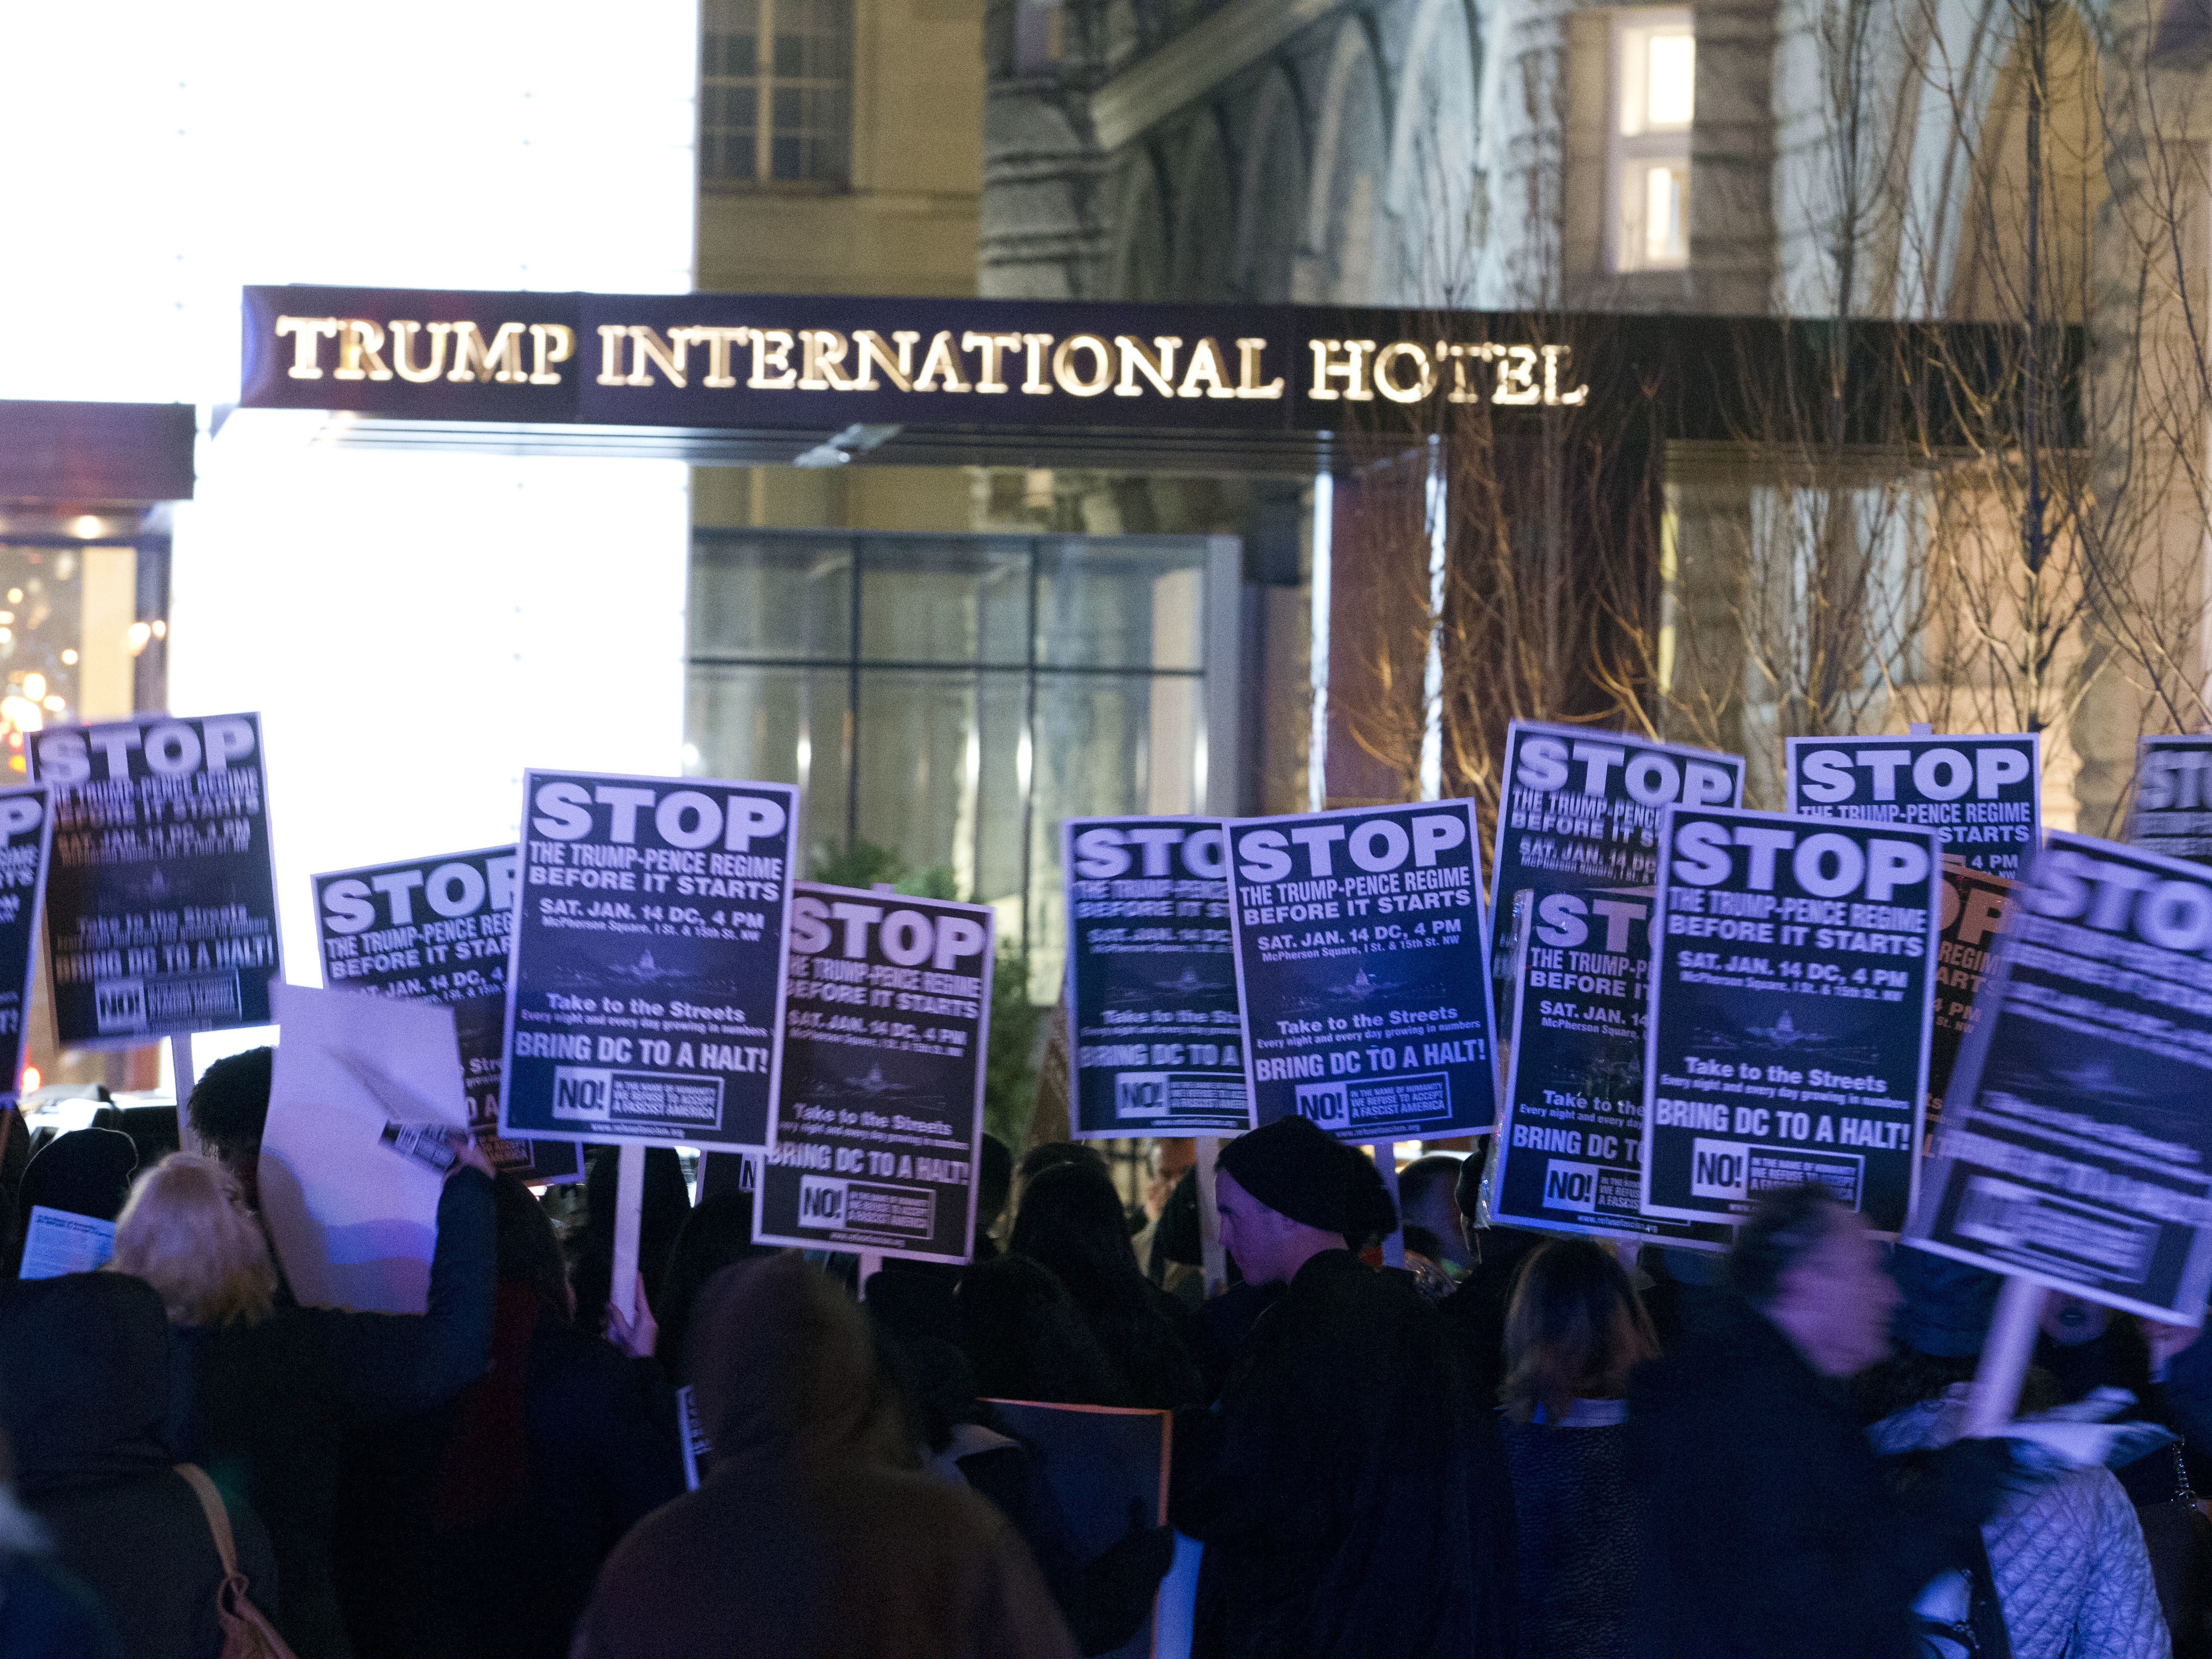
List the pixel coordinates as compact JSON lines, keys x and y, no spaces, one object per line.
{"x":1655,"y":64}
{"x":775,"y":93}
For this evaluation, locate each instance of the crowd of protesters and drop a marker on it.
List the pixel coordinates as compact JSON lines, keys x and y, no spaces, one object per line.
{"x":1552,"y":1447}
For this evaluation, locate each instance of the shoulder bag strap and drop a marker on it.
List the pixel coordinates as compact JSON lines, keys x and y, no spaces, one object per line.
{"x":218,"y":1518}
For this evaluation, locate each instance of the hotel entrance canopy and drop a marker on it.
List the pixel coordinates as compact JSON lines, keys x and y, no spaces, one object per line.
{"x":822,"y":380}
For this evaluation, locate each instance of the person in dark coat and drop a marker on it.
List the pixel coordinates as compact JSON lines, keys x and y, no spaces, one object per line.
{"x":1352,"y":1501}
{"x":1072,"y":1222}
{"x":85,"y":1172}
{"x":1476,"y":1308}
{"x":717,"y":1232}
{"x":1574,"y":1333}
{"x":1770,"y":1527}
{"x":530,"y":1474}
{"x":1026,"y":1338}
{"x":815,"y":1535}
{"x":266,"y":1391}
{"x":84,"y":1398}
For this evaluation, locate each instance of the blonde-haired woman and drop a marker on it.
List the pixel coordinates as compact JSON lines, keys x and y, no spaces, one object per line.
{"x":1574,"y":1331}
{"x":266,"y":1391}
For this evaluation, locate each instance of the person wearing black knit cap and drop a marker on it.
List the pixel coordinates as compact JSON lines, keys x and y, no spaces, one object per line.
{"x":1349,"y":1495}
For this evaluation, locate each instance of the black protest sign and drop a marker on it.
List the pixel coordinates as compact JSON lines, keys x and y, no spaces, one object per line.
{"x":1975,"y":908}
{"x":645,"y":993}
{"x":1983,"y":794}
{"x":438,"y":930}
{"x":1154,"y":1046}
{"x":1570,"y":1134}
{"x":161,"y":896}
{"x":1791,"y":996}
{"x":26,"y":835}
{"x":2173,"y":810}
{"x":1581,"y":808}
{"x":880,"y":1116}
{"x":1360,"y":971}
{"x":2076,"y":1147}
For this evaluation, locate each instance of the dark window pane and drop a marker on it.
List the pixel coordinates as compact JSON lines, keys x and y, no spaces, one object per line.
{"x":772,"y":596}
{"x":1130,"y":602}
{"x":790,"y":55}
{"x":962,"y":599}
{"x":783,"y":154}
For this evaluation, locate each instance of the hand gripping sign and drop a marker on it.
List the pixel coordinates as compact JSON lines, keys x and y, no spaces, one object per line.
{"x":2076,"y":1147}
{"x":1790,"y":1001}
{"x":1572,"y":1133}
{"x":1155,"y":1046}
{"x":1360,"y":970}
{"x":1982,"y":793}
{"x":440,"y":930}
{"x":645,"y":994}
{"x":879,"y":1115}
{"x":161,"y":900}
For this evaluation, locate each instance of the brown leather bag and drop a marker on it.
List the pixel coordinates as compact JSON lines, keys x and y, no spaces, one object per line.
{"x":247,"y":1631}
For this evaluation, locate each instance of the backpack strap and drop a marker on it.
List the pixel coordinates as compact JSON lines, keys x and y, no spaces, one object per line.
{"x":218,"y":1518}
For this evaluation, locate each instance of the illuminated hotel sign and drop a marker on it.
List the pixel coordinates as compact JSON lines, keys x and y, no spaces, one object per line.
{"x":747,"y":361}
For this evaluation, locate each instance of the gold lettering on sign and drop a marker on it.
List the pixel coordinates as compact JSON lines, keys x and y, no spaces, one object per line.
{"x":550,"y":344}
{"x":776,"y":356}
{"x":1552,"y":355}
{"x":611,"y":335}
{"x":1063,"y":365}
{"x":307,"y":334}
{"x":1247,"y":371}
{"x":718,"y":342}
{"x":1033,"y":384}
{"x":990,"y":347}
{"x":1424,"y":372}
{"x":1352,"y":370}
{"x":1206,"y":370}
{"x":1516,"y":376}
{"x":359,"y":341}
{"x":941,"y":360}
{"x":502,"y":360}
{"x":403,"y":350}
{"x":1159,"y":370}
{"x":645,"y":346}
{"x":820,"y":351}
{"x":874,"y":355}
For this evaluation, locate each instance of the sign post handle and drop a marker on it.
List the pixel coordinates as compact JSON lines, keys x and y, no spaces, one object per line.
{"x":2005,"y":1355}
{"x":871,"y":1263}
{"x":1215,"y":1264}
{"x":1386,"y":1160}
{"x":181,"y":1062}
{"x":629,"y":1200}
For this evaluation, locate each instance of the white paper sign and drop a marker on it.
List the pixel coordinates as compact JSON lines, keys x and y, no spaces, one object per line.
{"x":354,"y":1221}
{"x":62,"y":1241}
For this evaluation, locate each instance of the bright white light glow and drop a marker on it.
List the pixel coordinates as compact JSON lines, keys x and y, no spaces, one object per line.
{"x":416,"y":629}
{"x":1672,"y":98}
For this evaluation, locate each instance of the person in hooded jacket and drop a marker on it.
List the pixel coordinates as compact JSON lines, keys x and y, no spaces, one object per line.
{"x":85,"y":1172}
{"x":44,"y":1613}
{"x":266,"y":1391}
{"x":815,"y":1535}
{"x":84,"y":1398}
{"x":1072,"y":1222}
{"x":1769,"y":1526}
{"x":1351,"y":1500}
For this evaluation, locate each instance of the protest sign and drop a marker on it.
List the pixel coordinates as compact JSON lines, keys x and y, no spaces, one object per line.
{"x":1787,"y":1041}
{"x":1983,"y":794}
{"x":26,"y":839}
{"x":1975,"y":909}
{"x":2075,"y":1147}
{"x":355,"y":1221}
{"x":1360,"y":975}
{"x":1154,"y":1044}
{"x":2172,"y":810}
{"x":162,"y":897}
{"x":438,"y":930}
{"x":1571,"y":1133}
{"x":1106,"y":1467}
{"x":644,"y":994}
{"x":1581,"y":808}
{"x":59,"y":1242}
{"x":879,"y":1115}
